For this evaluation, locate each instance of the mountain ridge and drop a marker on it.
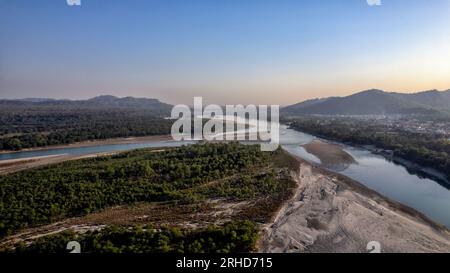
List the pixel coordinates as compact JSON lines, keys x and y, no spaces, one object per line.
{"x":102,"y":102}
{"x":375,"y":102}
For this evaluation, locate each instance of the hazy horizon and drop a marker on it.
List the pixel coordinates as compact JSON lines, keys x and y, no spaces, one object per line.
{"x":260,"y":52}
{"x":207,"y":101}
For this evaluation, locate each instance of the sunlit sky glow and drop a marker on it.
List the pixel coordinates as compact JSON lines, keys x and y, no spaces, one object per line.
{"x":228,"y":51}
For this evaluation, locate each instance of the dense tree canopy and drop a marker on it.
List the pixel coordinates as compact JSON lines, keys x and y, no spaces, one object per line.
{"x":28,"y":128}
{"x":233,"y":237}
{"x":51,"y":193}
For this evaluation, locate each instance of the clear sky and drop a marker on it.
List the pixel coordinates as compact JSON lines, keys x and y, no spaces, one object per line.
{"x":228,"y":51}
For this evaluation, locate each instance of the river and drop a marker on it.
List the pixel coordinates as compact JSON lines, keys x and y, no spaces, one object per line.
{"x":374,"y":171}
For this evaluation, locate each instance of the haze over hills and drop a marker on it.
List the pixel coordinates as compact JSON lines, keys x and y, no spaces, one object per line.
{"x":375,"y":102}
{"x":369,"y":102}
{"x":98,"y":103}
{"x":433,"y":98}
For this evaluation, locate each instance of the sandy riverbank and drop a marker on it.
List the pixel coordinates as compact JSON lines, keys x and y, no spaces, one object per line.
{"x":112,"y":141}
{"x":332,"y":213}
{"x":332,"y":156}
{"x":16,"y":165}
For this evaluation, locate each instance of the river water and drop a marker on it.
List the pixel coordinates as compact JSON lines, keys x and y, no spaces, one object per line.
{"x":374,"y":171}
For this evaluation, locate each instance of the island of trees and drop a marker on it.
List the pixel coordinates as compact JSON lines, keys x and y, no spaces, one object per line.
{"x":187,"y":175}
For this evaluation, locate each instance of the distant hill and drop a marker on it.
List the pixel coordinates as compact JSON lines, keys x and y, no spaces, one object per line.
{"x":98,"y":103}
{"x":36,"y":99}
{"x":375,"y":102}
{"x":433,"y":98}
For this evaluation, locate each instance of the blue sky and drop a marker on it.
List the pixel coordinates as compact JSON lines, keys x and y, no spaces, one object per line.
{"x":228,"y":51}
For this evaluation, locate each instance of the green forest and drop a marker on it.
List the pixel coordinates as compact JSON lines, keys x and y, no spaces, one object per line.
{"x":44,"y":195}
{"x":427,"y":150}
{"x":185,"y":175}
{"x":38,"y":127}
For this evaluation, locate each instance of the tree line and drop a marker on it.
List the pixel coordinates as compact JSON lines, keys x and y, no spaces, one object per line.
{"x":233,"y":237}
{"x":28,"y":128}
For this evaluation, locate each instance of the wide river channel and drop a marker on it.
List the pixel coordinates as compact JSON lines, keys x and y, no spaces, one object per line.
{"x":392,"y":180}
